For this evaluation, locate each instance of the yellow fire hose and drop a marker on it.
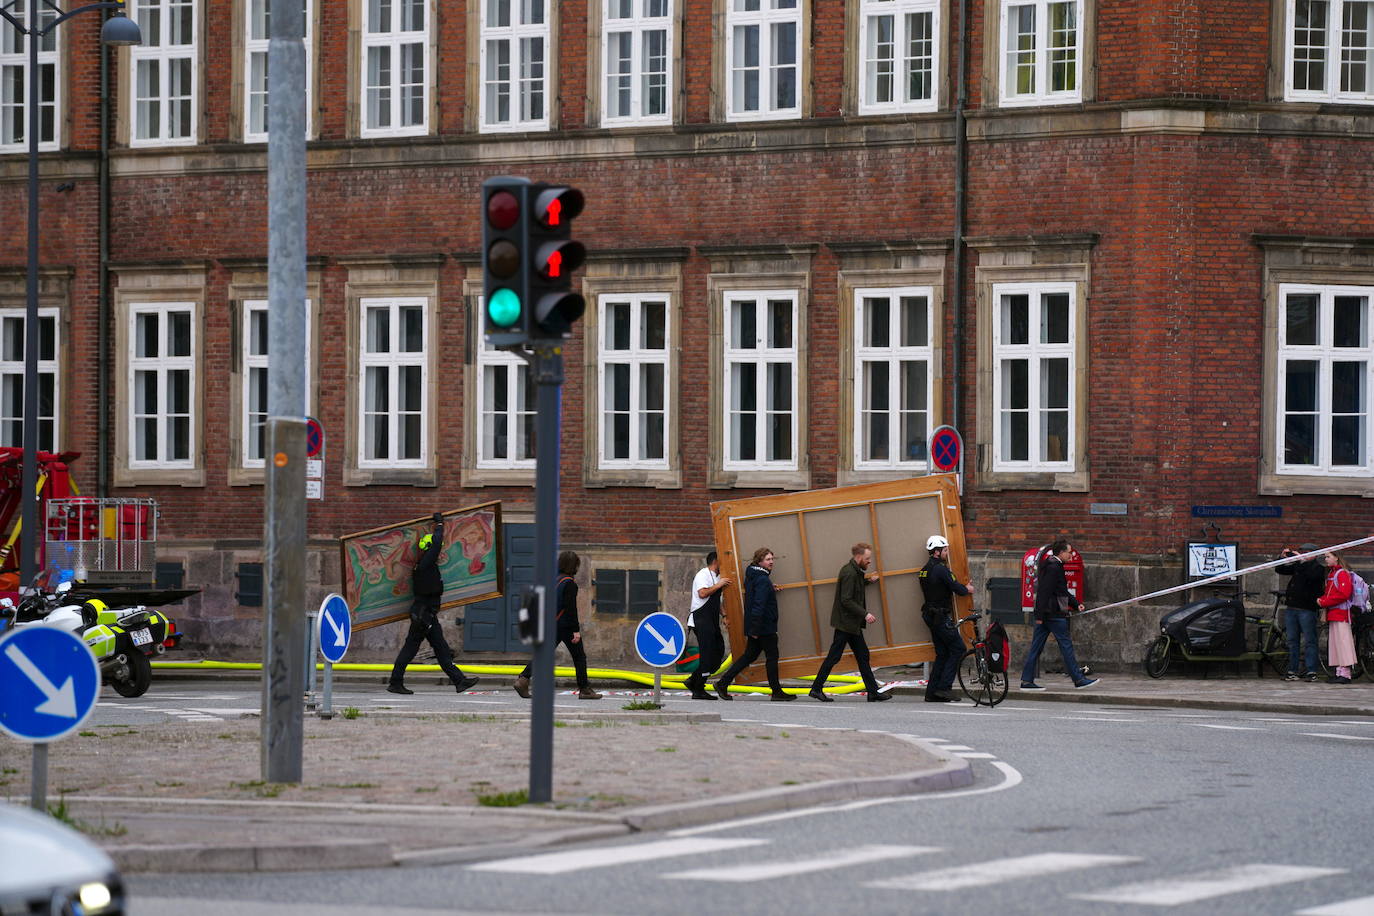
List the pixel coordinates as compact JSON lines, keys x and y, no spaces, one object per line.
{"x":852,"y":683}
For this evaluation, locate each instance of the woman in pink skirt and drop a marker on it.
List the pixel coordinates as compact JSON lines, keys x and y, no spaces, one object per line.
{"x":1340,"y":640}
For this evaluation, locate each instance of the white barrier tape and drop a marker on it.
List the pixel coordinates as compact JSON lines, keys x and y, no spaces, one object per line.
{"x":1296,"y":558}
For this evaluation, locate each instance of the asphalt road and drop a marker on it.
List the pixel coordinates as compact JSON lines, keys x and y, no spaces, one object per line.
{"x":1077,"y":809}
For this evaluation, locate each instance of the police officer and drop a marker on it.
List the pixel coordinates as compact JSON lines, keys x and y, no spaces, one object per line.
{"x":427,"y":587}
{"x":939,"y":587}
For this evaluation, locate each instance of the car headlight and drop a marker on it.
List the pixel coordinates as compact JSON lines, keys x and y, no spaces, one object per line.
{"x":95,"y":896}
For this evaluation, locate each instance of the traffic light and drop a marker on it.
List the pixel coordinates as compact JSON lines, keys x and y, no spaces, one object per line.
{"x":554,"y":256}
{"x":505,"y":246}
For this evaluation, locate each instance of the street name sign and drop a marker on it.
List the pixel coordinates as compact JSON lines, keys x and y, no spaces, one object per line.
{"x":659,"y":639}
{"x":51,"y":683}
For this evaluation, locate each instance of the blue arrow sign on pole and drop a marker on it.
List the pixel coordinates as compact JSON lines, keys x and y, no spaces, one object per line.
{"x":659,"y":639}
{"x":51,"y":682}
{"x":336,"y":628}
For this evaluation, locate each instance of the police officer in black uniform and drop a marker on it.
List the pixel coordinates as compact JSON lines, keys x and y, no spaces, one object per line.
{"x":939,"y":587}
{"x":427,"y":587}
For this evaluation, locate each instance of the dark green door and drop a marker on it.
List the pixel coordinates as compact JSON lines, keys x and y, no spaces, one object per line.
{"x":491,"y":626}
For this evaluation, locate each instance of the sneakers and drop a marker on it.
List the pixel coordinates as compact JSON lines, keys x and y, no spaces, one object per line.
{"x":723,"y":691}
{"x":817,"y":693}
{"x":466,"y":683}
{"x":1291,"y":676}
{"x":1337,"y":679}
{"x":782,"y":697}
{"x":1085,"y":683}
{"x":1308,"y":676}
{"x":875,"y":697}
{"x":522,"y":687}
{"x":1031,"y":686}
{"x":399,"y":688}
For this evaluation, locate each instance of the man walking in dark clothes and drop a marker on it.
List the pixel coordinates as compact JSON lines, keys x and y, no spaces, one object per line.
{"x":569,"y":629}
{"x":939,"y":587}
{"x":849,"y":615}
{"x":760,"y":627}
{"x":704,"y":619}
{"x":427,"y":588}
{"x":1053,"y":603}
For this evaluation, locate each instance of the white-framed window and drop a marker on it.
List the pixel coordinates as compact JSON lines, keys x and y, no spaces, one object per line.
{"x":253,"y":416}
{"x":508,"y":398}
{"x":760,"y":380}
{"x":257,"y":38}
{"x":1041,"y":51}
{"x":514,"y":62}
{"x":893,"y":362}
{"x":394,"y":384}
{"x":1330,"y":51}
{"x":1325,"y":373}
{"x":162,"y":370}
{"x":14,"y":82}
{"x":164,"y":73}
{"x":12,"y":324}
{"x":901,"y":57}
{"x":1033,"y":340}
{"x":637,"y":53}
{"x":395,"y":68}
{"x":763,"y":57}
{"x":634,"y":359}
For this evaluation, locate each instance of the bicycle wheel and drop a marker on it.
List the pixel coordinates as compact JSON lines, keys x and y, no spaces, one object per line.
{"x":998,"y":683}
{"x":1364,"y":651}
{"x":972,"y":671}
{"x":1157,"y":657}
{"x":1323,"y":652}
{"x":1275,"y":651}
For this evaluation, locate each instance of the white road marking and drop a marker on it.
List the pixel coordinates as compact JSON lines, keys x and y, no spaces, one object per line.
{"x":1230,"y":728}
{"x":1359,"y":906}
{"x":955,"y":747}
{"x":1206,"y":885}
{"x":1094,"y":719}
{"x":841,"y":858}
{"x":973,"y":755}
{"x":998,"y":871}
{"x":1331,"y":735}
{"x":1187,"y":715}
{"x":557,"y":863}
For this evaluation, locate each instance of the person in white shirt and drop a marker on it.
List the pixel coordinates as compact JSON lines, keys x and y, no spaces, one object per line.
{"x":705,"y":618}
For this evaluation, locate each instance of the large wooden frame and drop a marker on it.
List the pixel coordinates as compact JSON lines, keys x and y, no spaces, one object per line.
{"x":376,"y":565}
{"x":811,"y":534}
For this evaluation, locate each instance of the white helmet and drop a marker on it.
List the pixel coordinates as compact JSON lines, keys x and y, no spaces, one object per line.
{"x":935,"y":542}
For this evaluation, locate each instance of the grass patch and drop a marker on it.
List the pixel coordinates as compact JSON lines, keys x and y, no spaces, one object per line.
{"x":60,"y":812}
{"x":85,"y":734}
{"x":790,"y":782}
{"x":505,"y":799}
{"x":426,"y":788}
{"x":703,"y":779}
{"x":168,"y":785}
{"x":350,"y":785}
{"x":642,"y":704}
{"x":260,"y":788}
{"x":560,"y":724}
{"x":764,"y":737}
{"x":469,"y":717}
{"x":351,"y":712}
{"x":667,"y":750}
{"x":225,"y":737}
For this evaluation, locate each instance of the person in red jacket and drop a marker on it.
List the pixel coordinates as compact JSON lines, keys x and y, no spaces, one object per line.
{"x":1340,"y":639}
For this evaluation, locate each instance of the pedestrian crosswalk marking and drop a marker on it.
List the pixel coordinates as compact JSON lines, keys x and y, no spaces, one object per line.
{"x":973,"y":755}
{"x":825,"y":861}
{"x":998,"y":871}
{"x":1360,"y":906}
{"x":557,"y":863}
{"x":1205,"y":885}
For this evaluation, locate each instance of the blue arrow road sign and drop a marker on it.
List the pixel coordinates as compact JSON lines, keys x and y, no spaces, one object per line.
{"x":336,"y":628}
{"x":659,"y":639}
{"x":50,"y":683}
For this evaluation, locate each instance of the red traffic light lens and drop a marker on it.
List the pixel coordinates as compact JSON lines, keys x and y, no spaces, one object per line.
{"x":554,"y":207}
{"x":503,"y":210}
{"x":556,"y":260}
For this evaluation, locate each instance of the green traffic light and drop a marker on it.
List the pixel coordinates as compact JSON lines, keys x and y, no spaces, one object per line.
{"x":504,"y":308}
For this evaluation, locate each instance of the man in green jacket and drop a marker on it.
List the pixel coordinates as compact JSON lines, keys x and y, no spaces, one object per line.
{"x":849,"y":615}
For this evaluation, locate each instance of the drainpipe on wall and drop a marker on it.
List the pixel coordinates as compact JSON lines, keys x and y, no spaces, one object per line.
{"x":102,"y":373}
{"x":960,"y":200}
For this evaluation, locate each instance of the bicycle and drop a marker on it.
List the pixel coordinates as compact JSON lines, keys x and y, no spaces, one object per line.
{"x":1271,"y":644}
{"x":977,"y":679}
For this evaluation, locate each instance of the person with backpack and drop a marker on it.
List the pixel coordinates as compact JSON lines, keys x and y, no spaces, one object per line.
{"x":1340,"y":639}
{"x":1306,"y":582}
{"x":849,"y":615}
{"x":569,"y":629}
{"x":427,"y":589}
{"x":1053,"y":603}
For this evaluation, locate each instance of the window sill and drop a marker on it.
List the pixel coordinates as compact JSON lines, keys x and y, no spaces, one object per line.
{"x":771,"y":480}
{"x":1064,"y":482}
{"x":171,"y":477}
{"x":658,"y":478}
{"x":1310,"y":485}
{"x":404,"y":477}
{"x":498,"y":477}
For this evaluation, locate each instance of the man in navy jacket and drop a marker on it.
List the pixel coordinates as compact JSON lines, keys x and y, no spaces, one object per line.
{"x":760,"y":626}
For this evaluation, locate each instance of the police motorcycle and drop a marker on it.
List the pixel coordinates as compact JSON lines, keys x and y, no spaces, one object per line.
{"x":123,"y":639}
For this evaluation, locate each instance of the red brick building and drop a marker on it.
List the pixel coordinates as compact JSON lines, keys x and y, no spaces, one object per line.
{"x":1135,"y":268}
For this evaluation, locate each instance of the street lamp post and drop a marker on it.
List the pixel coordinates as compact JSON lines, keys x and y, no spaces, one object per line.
{"x":117,"y":30}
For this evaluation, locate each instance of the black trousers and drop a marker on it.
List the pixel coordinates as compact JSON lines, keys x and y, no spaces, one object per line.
{"x":711,"y":645}
{"x":949,"y":648}
{"x":768,"y":645}
{"x":856,"y":644}
{"x":579,"y":659}
{"x":424,"y":625}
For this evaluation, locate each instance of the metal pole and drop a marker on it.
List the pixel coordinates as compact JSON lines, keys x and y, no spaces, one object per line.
{"x":28,"y":519}
{"x":38,"y":785}
{"x":285,"y":530}
{"x":658,"y":687}
{"x":547,"y":363}
{"x":312,"y":647}
{"x":328,"y":711}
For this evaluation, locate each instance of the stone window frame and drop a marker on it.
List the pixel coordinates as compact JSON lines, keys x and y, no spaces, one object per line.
{"x":396,"y":277}
{"x":476,"y":471}
{"x":597,"y":76}
{"x":757,"y":268}
{"x":49,"y":57}
{"x":994,"y":57}
{"x":722,"y":107}
{"x":249,"y":284}
{"x":890,"y":265}
{"x":245,"y":47}
{"x":54,"y":298}
{"x":477,"y":78}
{"x":858,"y":16}
{"x":136,"y":286}
{"x":357,"y":76}
{"x":1303,"y":261}
{"x":632,"y":272}
{"x":129,"y":75}
{"x":1035,"y":260}
{"x":1282,"y":52}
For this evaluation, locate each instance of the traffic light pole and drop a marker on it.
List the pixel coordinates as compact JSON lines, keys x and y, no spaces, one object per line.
{"x":547,"y":364}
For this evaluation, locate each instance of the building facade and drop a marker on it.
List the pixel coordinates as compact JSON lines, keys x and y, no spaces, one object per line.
{"x":1126,"y":249}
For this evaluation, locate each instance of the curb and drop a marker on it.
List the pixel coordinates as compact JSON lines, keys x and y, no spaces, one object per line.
{"x":293,"y":857}
{"x":1193,"y":702}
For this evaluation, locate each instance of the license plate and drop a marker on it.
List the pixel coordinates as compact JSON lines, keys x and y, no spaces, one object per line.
{"x":141,"y":637}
